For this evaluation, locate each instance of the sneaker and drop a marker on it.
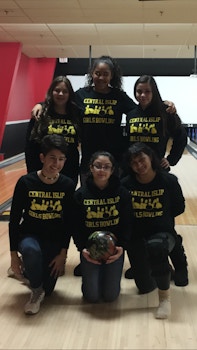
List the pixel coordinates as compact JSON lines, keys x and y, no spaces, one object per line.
{"x":77,"y":271}
{"x":181,"y":277}
{"x":32,"y":307}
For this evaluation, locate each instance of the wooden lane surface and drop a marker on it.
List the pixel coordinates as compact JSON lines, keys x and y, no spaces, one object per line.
{"x":186,"y":171}
{"x":8,"y":178}
{"x":66,"y":321}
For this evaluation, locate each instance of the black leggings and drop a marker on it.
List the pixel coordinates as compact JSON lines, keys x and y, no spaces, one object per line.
{"x":149,"y":260}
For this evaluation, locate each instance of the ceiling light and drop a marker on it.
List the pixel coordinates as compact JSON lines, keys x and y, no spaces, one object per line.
{"x":63,"y":59}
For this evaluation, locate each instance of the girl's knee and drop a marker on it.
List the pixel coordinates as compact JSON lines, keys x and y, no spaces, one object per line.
{"x":110,"y":297}
{"x":91,"y":296}
{"x":29,"y":246}
{"x":31,"y":252}
{"x":93,"y":299}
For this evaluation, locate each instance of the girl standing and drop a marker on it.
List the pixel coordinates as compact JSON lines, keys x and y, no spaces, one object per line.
{"x":150,"y":123}
{"x":102,"y":102}
{"x":60,"y":116}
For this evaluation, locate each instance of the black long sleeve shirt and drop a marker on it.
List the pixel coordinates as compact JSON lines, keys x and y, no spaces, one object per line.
{"x":154,"y":205}
{"x":101,"y":116}
{"x":144,"y":126}
{"x":102,"y":210}
{"x":41,"y":210}
{"x":60,"y":124}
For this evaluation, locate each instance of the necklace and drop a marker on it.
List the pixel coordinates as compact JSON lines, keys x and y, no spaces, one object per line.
{"x":50,"y":178}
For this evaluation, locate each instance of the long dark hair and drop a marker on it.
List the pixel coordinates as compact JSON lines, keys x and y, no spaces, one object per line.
{"x":157,"y":104}
{"x":41,"y":125}
{"x":116,"y":81}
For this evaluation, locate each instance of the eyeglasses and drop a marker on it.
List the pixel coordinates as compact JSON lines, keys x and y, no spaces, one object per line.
{"x":102,"y":167}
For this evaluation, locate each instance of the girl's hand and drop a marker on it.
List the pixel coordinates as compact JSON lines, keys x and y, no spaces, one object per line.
{"x":16,"y":264}
{"x":57,"y":265}
{"x":112,"y":258}
{"x":164,"y":163}
{"x":86,"y":255}
{"x":36,"y":111}
{"x":171,"y":107}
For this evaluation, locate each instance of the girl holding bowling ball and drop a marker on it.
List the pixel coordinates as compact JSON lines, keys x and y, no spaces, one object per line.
{"x":102,"y":204}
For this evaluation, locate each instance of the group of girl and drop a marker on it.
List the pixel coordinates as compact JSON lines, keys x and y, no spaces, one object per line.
{"x":148,"y":197}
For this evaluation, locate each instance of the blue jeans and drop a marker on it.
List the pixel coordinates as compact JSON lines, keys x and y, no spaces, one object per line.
{"x":36,"y":259}
{"x":101,"y":282}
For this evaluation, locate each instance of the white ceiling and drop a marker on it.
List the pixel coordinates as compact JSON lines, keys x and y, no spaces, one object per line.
{"x":119,"y":28}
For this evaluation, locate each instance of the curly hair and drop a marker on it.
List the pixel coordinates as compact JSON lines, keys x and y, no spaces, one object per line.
{"x":116,"y":81}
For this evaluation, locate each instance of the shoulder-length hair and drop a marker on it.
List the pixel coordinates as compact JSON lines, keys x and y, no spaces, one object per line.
{"x":136,"y":150}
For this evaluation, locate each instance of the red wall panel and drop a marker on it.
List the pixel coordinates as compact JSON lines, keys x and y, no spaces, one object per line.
{"x":24,"y":81}
{"x":9,"y":60}
{"x":32,"y":81}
